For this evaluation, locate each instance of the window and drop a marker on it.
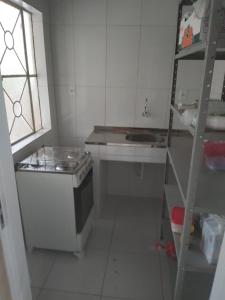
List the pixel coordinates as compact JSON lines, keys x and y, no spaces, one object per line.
{"x":18,"y":71}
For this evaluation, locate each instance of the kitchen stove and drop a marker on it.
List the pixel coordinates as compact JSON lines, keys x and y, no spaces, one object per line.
{"x":55,"y":187}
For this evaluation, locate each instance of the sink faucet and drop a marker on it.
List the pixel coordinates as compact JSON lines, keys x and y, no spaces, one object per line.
{"x":146,"y":113}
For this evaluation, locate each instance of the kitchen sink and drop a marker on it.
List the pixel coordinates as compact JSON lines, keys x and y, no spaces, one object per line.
{"x":144,"y":137}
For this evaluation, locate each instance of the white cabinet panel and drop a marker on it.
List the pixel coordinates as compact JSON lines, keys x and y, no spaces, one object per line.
{"x":43,"y":195}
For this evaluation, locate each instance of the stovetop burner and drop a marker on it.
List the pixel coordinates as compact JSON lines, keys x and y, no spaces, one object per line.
{"x":55,"y":159}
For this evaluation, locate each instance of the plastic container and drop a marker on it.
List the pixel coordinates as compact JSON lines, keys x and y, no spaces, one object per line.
{"x":216,"y":122}
{"x":177,"y":219}
{"x":212,"y":236}
{"x":188,"y":116}
{"x":215,"y":155}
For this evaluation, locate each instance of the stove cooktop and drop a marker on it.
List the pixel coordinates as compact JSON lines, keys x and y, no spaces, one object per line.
{"x":55,"y":160}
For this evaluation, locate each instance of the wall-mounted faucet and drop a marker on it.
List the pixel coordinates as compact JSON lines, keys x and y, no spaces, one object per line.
{"x":147,"y":112}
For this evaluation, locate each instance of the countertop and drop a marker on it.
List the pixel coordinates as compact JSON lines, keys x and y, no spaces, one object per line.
{"x":104,"y":135}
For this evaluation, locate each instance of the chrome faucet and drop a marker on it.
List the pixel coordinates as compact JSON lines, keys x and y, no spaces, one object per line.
{"x":146,"y":113}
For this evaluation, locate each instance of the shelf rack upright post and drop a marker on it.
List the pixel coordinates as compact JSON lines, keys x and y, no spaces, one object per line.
{"x":188,"y":187}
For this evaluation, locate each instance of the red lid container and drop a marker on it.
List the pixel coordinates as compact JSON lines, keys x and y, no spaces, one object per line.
{"x":178,"y":215}
{"x":212,"y":148}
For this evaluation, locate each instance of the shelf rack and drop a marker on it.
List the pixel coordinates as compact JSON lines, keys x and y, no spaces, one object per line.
{"x":197,"y":189}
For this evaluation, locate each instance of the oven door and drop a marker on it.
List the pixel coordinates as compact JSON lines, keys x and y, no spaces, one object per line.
{"x":83,"y":198}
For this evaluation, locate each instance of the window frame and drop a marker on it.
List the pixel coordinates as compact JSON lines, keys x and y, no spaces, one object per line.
{"x":26,"y":76}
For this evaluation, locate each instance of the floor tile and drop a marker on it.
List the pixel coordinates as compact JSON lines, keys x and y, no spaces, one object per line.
{"x":39,"y":264}
{"x":133,"y":276}
{"x":168,"y":271}
{"x":35,"y":293}
{"x":110,"y":298}
{"x":131,"y":236}
{"x":109,"y":207}
{"x":83,"y":276}
{"x":101,"y":235}
{"x":55,"y":295}
{"x":132,"y":208}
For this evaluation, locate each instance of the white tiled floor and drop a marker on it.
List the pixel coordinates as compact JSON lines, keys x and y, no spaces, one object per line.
{"x":120,"y":261}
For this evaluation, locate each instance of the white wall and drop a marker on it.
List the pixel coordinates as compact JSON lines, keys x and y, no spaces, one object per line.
{"x":52,"y":136}
{"x":108,"y":56}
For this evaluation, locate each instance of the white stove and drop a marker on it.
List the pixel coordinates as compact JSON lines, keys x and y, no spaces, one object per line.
{"x":55,"y":187}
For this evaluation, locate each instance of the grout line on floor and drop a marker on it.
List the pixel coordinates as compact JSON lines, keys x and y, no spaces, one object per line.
{"x":47,"y":276}
{"x":108,"y":257}
{"x":161,"y":277}
{"x":70,"y":292}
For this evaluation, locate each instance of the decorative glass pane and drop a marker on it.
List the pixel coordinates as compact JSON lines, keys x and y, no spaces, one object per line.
{"x":18,"y":106}
{"x":20,"y":86}
{"x":19,"y":43}
{"x":9,"y":110}
{"x":29,"y":42}
{"x":26,"y":107}
{"x":13,"y":58}
{"x":12,"y":55}
{"x":14,"y":87}
{"x":20,"y":130}
{"x":36,"y":103}
{"x":8,"y":16}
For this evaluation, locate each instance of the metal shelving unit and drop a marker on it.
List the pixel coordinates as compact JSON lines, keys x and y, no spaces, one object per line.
{"x":197,"y":188}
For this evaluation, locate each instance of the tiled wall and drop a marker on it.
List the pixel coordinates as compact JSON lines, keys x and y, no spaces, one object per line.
{"x":109,"y":55}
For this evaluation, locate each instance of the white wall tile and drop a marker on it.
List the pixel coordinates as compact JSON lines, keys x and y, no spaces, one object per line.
{"x":63,"y":54}
{"x":65,"y":101}
{"x":66,"y":126}
{"x":160,"y":12}
{"x":90,"y":107}
{"x":66,"y":112}
{"x":90,"y":12}
{"x":159,"y":108}
{"x":124,"y":12}
{"x":71,"y":141}
{"x":90,"y":55}
{"x":120,"y":106}
{"x":122,"y":56}
{"x":157,"y":50}
{"x":61,"y":12}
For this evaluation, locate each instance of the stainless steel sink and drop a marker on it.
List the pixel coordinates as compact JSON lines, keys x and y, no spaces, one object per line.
{"x":144,"y":137}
